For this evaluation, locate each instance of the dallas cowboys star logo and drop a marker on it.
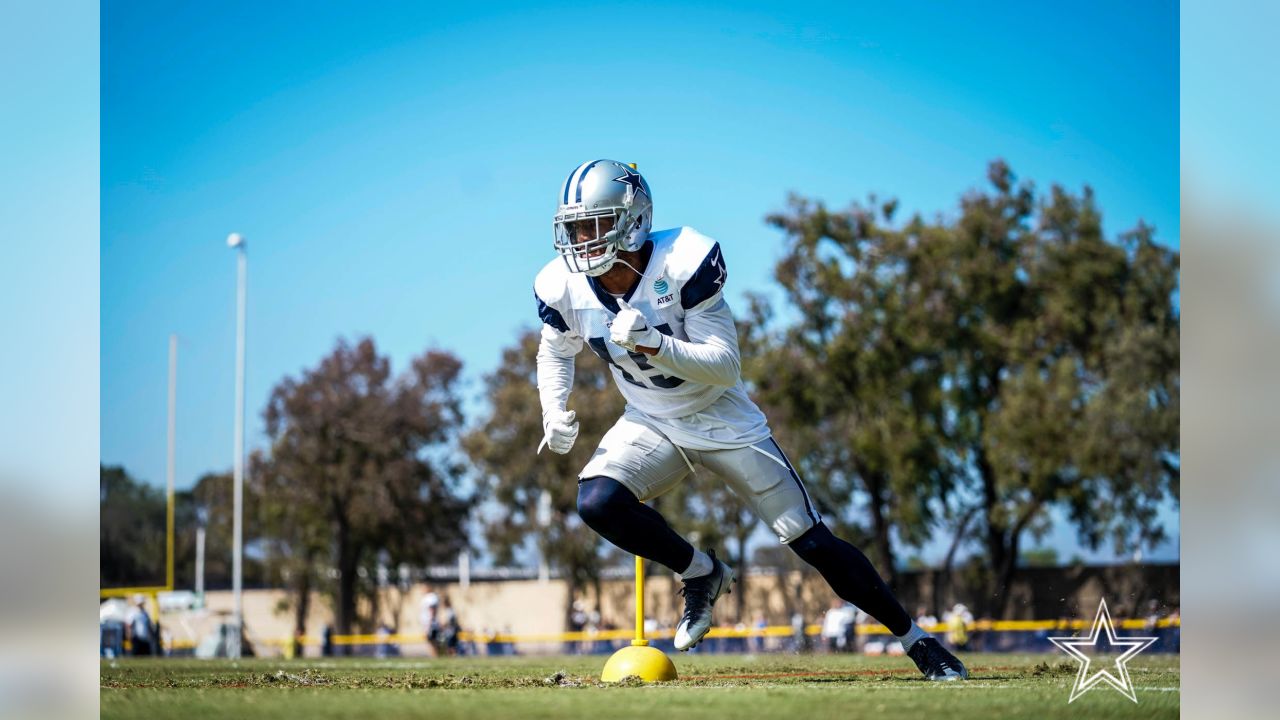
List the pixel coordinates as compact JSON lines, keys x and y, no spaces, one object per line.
{"x":1120,"y":679}
{"x":720,"y":278}
{"x":633,"y":180}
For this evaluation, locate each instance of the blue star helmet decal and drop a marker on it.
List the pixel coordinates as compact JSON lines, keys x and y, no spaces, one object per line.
{"x":633,"y":180}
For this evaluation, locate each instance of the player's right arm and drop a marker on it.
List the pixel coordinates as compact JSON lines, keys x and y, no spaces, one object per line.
{"x":557,"y":346}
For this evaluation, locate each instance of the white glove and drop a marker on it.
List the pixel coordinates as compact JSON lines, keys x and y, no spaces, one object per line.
{"x":630,"y":329}
{"x":560,"y":431}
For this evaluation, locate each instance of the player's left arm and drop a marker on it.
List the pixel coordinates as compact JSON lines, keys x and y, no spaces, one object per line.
{"x":710,"y":355}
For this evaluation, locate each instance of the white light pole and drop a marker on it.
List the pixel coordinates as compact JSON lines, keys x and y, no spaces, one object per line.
{"x":170,"y":459}
{"x":202,"y":520}
{"x":543,"y":517}
{"x":237,"y":242}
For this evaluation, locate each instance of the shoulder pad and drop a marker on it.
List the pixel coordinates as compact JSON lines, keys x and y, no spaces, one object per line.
{"x":698,"y":266}
{"x":550,"y":290}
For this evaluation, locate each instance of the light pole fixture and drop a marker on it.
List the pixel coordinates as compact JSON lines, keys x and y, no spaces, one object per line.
{"x":237,"y":242}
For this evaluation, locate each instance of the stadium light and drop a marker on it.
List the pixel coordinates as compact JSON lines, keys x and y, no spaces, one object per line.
{"x":237,"y":242}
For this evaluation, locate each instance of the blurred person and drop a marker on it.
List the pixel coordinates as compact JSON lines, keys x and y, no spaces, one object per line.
{"x":112,"y":616}
{"x":449,"y":629}
{"x":578,"y":617}
{"x":651,"y":305}
{"x":298,"y":645}
{"x":958,"y":621}
{"x":594,"y":626}
{"x":741,"y":636}
{"x":851,"y":629}
{"x":924,"y":618}
{"x":799,"y":640}
{"x":577,"y":624}
{"x":1151,"y":626}
{"x":1151,"y":618}
{"x":139,"y":630}
{"x":326,"y":641}
{"x":836,"y":624}
{"x":387,"y":646}
{"x":757,"y":636}
{"x":428,"y":616}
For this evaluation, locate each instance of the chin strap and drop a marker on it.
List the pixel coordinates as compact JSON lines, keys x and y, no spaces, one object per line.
{"x":633,"y":267}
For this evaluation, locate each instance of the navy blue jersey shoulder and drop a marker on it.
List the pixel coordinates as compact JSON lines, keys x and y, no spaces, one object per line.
{"x":708,"y":280}
{"x":550,"y":315}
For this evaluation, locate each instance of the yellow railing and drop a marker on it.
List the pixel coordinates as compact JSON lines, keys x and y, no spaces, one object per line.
{"x":765,"y":632}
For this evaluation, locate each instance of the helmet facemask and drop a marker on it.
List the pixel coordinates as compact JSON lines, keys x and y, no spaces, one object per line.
{"x":585,"y":244}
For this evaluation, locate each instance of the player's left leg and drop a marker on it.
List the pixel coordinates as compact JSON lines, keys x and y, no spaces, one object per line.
{"x":764,"y":477}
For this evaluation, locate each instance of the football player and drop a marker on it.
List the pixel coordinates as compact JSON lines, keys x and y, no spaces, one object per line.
{"x":651,"y":305}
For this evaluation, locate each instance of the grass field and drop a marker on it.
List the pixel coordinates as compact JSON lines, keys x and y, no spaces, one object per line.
{"x":710,"y":686}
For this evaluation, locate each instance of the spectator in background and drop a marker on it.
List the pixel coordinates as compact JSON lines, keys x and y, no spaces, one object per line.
{"x":577,"y":624}
{"x":1152,"y":616}
{"x":579,"y":617}
{"x":757,"y":636}
{"x":925,"y":619}
{"x":428,"y":615}
{"x":326,"y":642}
{"x":448,"y":629}
{"x":386,"y":647}
{"x":837,"y":624}
{"x":1151,"y":624}
{"x":138,"y":628}
{"x":958,"y":621}
{"x":741,"y":632}
{"x":800,"y":641}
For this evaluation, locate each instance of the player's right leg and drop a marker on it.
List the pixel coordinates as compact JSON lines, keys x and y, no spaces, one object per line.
{"x":616,"y":514}
{"x":635,"y":463}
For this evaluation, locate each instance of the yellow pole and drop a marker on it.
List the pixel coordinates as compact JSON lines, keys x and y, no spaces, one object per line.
{"x":168,"y":551}
{"x":639,"y":603}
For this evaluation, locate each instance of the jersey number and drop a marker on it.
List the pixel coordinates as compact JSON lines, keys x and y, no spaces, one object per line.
{"x":640,"y":359}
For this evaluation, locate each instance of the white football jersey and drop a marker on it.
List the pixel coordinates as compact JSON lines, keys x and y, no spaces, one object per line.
{"x":685,"y":275}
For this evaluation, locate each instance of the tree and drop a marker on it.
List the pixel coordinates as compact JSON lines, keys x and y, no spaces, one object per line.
{"x":212,"y":495}
{"x":131,"y":530}
{"x":503,"y":449}
{"x":853,"y":384}
{"x":1011,"y":361}
{"x":359,"y":469}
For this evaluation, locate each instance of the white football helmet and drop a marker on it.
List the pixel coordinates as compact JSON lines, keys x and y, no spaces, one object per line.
{"x":596,"y":190}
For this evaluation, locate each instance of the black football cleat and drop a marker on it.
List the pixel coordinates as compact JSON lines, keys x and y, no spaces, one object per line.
{"x":700,"y":595}
{"x":936,"y":662}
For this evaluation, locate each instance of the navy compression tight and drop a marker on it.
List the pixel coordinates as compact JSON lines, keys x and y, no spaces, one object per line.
{"x":614,"y":512}
{"x":852,"y":576}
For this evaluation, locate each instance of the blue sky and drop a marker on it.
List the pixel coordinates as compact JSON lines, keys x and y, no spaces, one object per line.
{"x":395,"y":170}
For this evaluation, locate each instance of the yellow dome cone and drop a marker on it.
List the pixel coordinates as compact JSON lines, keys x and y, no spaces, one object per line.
{"x":640,"y":659}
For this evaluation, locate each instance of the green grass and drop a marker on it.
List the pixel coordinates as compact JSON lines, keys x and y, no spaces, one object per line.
{"x":711,"y":686}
